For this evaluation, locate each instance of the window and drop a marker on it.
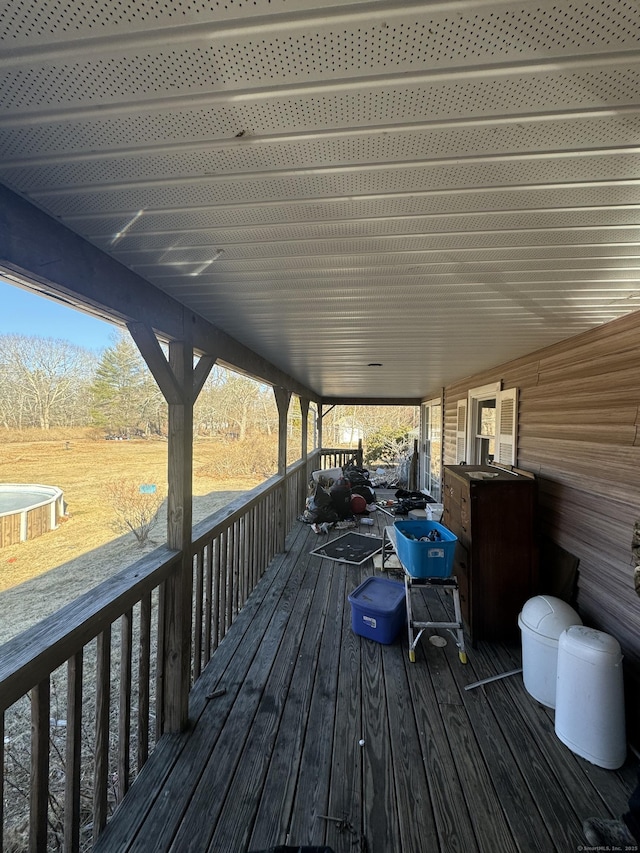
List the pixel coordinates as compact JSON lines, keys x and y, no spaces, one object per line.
{"x":431,"y":433}
{"x":486,"y":427}
{"x":485,"y":431}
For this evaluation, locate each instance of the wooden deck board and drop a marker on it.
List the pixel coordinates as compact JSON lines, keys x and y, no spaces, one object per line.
{"x":277,"y":760}
{"x":312,"y":791}
{"x":222,"y":757}
{"x":381,"y":820}
{"x":411,"y":783}
{"x":345,"y":786}
{"x":275,"y":804}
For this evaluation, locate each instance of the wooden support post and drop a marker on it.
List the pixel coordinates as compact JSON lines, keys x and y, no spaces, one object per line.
{"x":180,"y":384}
{"x":177,"y":636}
{"x":319,"y":427}
{"x":283,"y":398}
{"x":413,"y":467}
{"x":304,"y":413}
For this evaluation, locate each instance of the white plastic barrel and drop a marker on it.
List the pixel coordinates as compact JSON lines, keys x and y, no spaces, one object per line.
{"x":542,"y":621}
{"x":590,"y":716}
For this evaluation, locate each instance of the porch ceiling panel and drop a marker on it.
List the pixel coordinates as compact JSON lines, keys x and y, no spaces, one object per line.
{"x":439,"y":187}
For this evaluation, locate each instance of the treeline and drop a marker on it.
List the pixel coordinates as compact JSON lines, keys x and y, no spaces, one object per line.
{"x":47,"y":383}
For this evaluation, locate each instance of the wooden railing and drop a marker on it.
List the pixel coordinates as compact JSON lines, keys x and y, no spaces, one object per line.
{"x":338,"y":457}
{"x":231,"y":557}
{"x":80,"y":691}
{"x":51,"y":771}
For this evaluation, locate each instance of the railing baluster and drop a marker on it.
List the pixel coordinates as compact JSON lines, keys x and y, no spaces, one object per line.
{"x":218,"y":607}
{"x":256,"y":573}
{"x":261,"y":538}
{"x":124,"y":718}
{"x":39,"y":792}
{"x":144,"y":675}
{"x":197,"y":620}
{"x":240,"y":564}
{"x":208,"y":605}
{"x":224,"y":584}
{"x":230,"y":578}
{"x":101,"y":771}
{"x":162,"y":593}
{"x":239,"y":561}
{"x":73,"y":755}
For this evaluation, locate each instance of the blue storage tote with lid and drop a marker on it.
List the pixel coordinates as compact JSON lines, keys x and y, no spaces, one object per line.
{"x":422,"y":557}
{"x":378,"y":609}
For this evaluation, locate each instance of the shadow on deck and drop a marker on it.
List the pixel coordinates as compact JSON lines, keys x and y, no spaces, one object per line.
{"x":274,"y":756}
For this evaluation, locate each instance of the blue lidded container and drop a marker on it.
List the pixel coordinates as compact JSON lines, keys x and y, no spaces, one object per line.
{"x":378,"y":609}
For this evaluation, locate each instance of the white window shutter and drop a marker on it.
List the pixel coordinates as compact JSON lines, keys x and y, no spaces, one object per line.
{"x":507,"y":426}
{"x":461,"y":432}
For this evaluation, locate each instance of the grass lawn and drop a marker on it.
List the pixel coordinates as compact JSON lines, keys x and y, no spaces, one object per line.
{"x":85,"y":546}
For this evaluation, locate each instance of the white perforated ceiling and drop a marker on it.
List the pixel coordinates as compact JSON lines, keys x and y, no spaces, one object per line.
{"x":438,"y":187}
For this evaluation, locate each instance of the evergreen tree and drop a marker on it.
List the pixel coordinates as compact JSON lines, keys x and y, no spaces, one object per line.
{"x":125,"y":395}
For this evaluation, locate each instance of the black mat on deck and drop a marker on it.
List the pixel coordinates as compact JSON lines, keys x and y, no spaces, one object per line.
{"x":350,"y":548}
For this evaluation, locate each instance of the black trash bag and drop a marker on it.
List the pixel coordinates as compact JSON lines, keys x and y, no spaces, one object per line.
{"x":356,"y":476}
{"x":403,"y":494}
{"x":341,"y":498}
{"x":319,"y":499}
{"x":404,"y":506}
{"x":319,"y":508}
{"x":327,"y":513}
{"x":366,"y":491}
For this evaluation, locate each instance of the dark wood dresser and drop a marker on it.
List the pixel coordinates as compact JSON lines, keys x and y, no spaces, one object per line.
{"x":492,"y":512}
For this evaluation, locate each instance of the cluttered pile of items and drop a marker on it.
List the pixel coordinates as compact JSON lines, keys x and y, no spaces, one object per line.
{"x":341,"y":498}
{"x":337,"y":496}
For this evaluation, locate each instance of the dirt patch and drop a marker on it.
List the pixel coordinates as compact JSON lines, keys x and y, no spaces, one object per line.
{"x":41,"y":575}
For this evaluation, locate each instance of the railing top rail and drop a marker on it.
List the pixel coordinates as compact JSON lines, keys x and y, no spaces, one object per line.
{"x":32,"y":655}
{"x":223,"y":518}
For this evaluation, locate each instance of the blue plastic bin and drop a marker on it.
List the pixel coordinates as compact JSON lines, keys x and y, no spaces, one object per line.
{"x":378,"y":609}
{"x":425,"y":559}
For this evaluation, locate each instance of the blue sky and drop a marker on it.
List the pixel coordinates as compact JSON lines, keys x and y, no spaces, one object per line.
{"x":24,"y":313}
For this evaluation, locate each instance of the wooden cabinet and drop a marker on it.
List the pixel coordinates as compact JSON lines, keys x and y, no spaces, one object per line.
{"x":492,"y":512}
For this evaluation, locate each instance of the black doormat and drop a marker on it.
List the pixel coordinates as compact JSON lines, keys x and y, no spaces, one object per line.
{"x":352,"y":548}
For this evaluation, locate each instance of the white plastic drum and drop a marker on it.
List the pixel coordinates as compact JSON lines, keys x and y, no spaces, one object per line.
{"x":590,"y":716}
{"x":541,"y":622}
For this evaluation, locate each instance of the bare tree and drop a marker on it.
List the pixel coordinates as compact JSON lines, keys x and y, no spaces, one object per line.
{"x":231,"y":404}
{"x":136,"y":507}
{"x":43,"y":381}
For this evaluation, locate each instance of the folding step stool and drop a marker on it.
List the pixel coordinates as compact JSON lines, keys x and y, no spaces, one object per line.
{"x":388,"y":546}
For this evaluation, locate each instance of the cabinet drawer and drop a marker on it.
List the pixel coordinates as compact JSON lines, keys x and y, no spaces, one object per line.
{"x":451,"y":516}
{"x":454,"y":488}
{"x":461,"y":572}
{"x":464,"y":525}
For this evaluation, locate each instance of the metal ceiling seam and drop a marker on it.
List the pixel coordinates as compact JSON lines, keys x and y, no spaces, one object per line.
{"x":217,"y":28}
{"x":515,"y":212}
{"x":445,"y":192}
{"x":249,"y":275}
{"x":255,"y":245}
{"x":265,"y":141}
{"x":487,"y":73}
{"x":337,"y":170}
{"x":225,"y":236}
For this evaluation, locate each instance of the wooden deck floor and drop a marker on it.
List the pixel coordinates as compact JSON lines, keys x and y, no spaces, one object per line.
{"x":276,"y":758}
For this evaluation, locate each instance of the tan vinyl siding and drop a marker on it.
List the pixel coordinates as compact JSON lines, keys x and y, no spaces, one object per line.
{"x":579,"y":433}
